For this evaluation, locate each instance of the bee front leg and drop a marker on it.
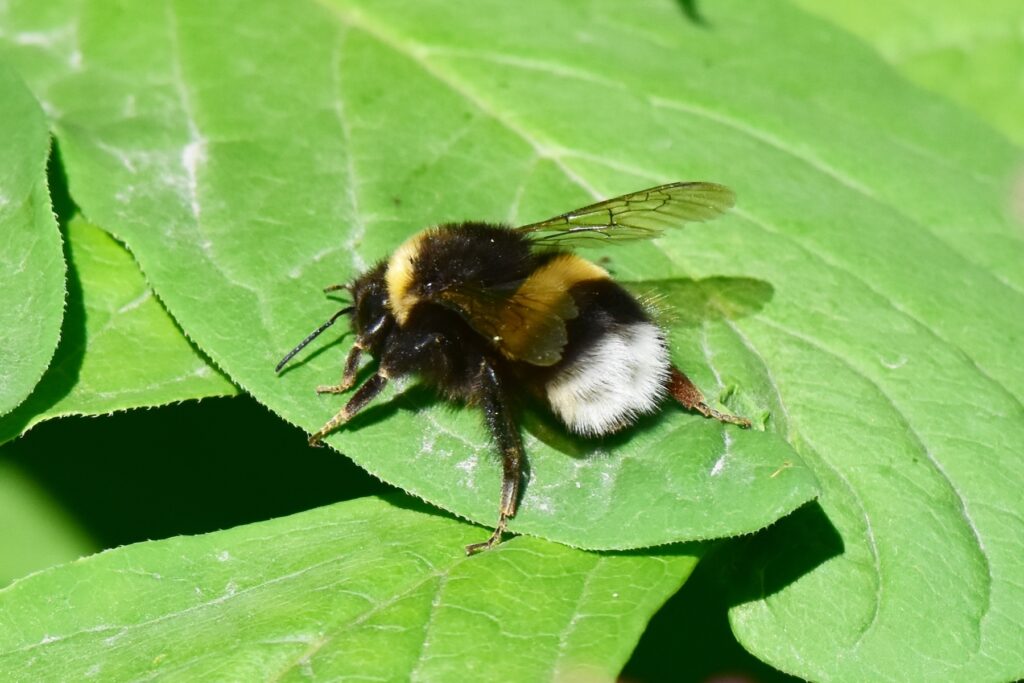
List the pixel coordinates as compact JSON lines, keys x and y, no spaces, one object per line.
{"x":348,"y":378}
{"x":366,"y":393}
{"x":684,"y":391}
{"x":506,"y":434}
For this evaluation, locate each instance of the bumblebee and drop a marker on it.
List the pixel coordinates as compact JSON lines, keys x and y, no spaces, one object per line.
{"x":483,"y":312}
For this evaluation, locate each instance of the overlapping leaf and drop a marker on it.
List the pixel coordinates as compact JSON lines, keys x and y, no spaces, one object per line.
{"x":192,"y":156}
{"x":395,"y":598}
{"x":31,"y":262}
{"x":119,"y":348}
{"x":247,"y":168}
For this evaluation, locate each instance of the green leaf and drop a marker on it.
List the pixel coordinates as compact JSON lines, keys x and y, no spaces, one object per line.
{"x":36,"y":531}
{"x":238,"y":222}
{"x":364,"y":588}
{"x":31,"y":262}
{"x":881,"y":297}
{"x":119,"y":347}
{"x":970,"y":52}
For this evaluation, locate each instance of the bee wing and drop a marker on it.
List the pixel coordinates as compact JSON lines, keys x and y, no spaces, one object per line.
{"x":525,"y":321}
{"x":637,"y":216}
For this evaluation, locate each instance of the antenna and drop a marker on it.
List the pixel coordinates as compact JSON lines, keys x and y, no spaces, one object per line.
{"x":313,"y":335}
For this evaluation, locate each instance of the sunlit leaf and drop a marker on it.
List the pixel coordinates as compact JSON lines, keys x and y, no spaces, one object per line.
{"x":119,"y":348}
{"x":251,"y":153}
{"x":238,"y":223}
{"x":394,"y":598}
{"x":970,"y":52}
{"x":31,"y":262}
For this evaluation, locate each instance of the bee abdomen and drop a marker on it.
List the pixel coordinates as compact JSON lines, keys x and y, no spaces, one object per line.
{"x":617,"y":363}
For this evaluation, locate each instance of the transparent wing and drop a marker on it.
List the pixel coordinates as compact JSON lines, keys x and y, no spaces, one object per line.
{"x":637,"y":216}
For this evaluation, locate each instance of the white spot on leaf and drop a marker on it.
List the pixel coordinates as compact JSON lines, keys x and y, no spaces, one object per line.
{"x":719,"y":464}
{"x":193,"y":155}
{"x":894,"y":364}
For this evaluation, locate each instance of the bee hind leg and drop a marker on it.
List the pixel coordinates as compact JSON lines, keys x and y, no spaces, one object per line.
{"x":684,"y":391}
{"x":506,"y":435}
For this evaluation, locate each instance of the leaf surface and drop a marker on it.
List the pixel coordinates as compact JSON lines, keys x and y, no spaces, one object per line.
{"x":865,"y":297}
{"x":395,"y":599}
{"x":238,"y":222}
{"x":972,"y":53}
{"x":119,"y":348}
{"x":31,"y":263}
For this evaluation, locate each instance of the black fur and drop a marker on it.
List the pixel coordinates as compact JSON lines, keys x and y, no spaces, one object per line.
{"x":435,"y":343}
{"x":475,"y":253}
{"x":603,"y":305}
{"x":438,"y":346}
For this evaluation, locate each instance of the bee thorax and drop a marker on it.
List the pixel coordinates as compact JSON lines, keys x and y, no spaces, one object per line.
{"x":620,"y":376}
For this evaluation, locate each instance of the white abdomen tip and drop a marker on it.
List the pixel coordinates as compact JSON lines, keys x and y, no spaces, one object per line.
{"x":620,"y":377}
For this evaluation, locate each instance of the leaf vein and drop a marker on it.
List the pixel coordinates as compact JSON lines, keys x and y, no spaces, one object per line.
{"x":961,"y":504}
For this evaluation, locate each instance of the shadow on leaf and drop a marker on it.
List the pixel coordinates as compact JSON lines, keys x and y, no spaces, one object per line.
{"x":417,"y":397}
{"x":685,"y":302}
{"x":691,"y":632}
{"x":188,"y":468}
{"x":692,"y":12}
{"x":772,"y":559}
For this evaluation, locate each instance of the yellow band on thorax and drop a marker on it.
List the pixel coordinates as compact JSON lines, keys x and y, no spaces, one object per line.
{"x":399,"y":277}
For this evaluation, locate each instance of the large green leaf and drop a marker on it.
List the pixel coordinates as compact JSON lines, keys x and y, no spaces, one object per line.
{"x":867,"y":293}
{"x":31,"y":262}
{"x":119,"y":348}
{"x":971,"y":52}
{"x":361,"y":589}
{"x":192,"y":156}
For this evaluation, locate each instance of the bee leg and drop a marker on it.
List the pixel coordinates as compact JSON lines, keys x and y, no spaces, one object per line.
{"x":684,"y":391}
{"x":366,"y":393}
{"x":348,"y":378}
{"x":335,"y":288}
{"x":506,"y":434}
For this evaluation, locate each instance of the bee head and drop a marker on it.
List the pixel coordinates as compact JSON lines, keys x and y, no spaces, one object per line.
{"x":371,"y":316}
